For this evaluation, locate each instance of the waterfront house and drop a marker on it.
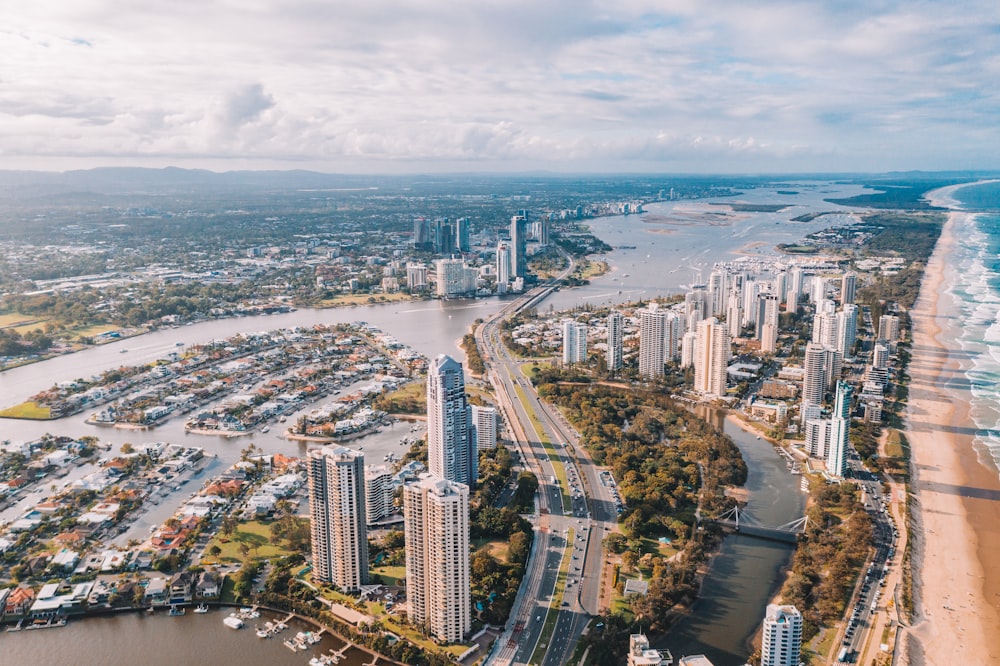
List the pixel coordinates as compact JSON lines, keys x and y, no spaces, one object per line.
{"x":157,"y":592}
{"x":181,"y":585}
{"x":209,"y":585}
{"x":19,"y":601}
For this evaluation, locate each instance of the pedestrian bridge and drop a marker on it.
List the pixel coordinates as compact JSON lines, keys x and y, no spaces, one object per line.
{"x":738,"y":522}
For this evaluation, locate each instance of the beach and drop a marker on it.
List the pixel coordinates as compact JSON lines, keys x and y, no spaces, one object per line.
{"x":956,"y":489}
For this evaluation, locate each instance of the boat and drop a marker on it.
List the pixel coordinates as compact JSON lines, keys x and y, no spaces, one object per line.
{"x":266,"y":429}
{"x":177,"y":610}
{"x":262,"y":633}
{"x":233,"y":622}
{"x":201,"y":608}
{"x":122,"y":351}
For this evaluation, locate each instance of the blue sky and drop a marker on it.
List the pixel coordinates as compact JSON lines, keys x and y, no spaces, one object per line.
{"x":502,"y":85}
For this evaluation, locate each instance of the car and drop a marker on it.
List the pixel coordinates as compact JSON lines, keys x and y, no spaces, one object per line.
{"x":538,"y":618}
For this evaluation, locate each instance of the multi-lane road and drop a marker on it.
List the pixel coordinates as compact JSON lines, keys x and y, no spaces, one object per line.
{"x":562,"y":587}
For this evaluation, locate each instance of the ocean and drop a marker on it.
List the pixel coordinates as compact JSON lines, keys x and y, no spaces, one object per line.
{"x":973,"y":272}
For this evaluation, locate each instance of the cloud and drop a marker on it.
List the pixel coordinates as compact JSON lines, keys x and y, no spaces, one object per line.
{"x":584,"y":83}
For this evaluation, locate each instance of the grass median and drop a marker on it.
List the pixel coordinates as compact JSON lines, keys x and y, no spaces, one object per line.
{"x":550,"y":449}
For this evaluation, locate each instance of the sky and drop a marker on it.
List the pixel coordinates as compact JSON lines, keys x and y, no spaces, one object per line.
{"x":378,"y":86}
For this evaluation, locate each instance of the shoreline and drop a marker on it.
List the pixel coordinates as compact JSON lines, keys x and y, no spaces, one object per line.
{"x":954,"y":493}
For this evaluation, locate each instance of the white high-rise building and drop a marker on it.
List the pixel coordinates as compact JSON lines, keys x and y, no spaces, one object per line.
{"x":880,"y":356}
{"x":767,"y":323}
{"x":436,"y":527}
{"x":817,"y":433}
{"x":454,"y":278}
{"x":688,"y":345}
{"x":484,"y":422}
{"x":825,"y":329}
{"x":717,"y":293}
{"x":616,"y":335}
{"x":503,"y":263}
{"x":888,"y":328}
{"x":734,"y":315}
{"x":379,"y":491}
{"x":794,"y":289}
{"x":813,"y":378}
{"x":697,"y":306}
{"x":847,"y":330}
{"x":652,"y":321}
{"x":574,"y":342}
{"x":451,"y":451}
{"x":781,"y":287}
{"x":711,"y":357}
{"x":781,"y":642}
{"x":337,"y":517}
{"x":840,"y":425}
{"x":751,"y":289}
{"x":673,"y":334}
{"x":416,"y":277}
{"x":817,"y":291}
{"x":848,"y":288}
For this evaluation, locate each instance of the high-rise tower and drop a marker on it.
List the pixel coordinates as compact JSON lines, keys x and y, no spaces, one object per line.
{"x":338,"y":518}
{"x":451,"y":452}
{"x":436,"y":525}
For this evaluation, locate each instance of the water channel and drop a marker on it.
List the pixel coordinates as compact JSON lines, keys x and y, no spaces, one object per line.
{"x":743,"y":576}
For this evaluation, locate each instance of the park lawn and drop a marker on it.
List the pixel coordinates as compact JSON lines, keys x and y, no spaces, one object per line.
{"x":391,"y":575}
{"x":257,"y":535}
{"x":456,"y":650}
{"x":91,"y":331}
{"x":654,"y":546}
{"x":12,"y":319}
{"x":496,"y":548}
{"x":591,"y":269}
{"x":27,"y":410}
{"x":364,"y":299}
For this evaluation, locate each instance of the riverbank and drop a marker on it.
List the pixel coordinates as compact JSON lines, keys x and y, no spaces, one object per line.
{"x":956,"y":494}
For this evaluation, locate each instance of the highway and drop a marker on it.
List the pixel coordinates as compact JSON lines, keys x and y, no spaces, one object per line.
{"x":569,"y":534}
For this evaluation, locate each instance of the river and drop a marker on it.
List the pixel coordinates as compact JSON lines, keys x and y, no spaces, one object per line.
{"x":747,"y":571}
{"x":743,"y":577}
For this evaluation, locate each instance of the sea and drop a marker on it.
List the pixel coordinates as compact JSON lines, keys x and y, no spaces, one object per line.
{"x":973,"y":272}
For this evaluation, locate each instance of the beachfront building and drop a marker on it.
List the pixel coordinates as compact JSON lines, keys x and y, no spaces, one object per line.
{"x":652,"y":321}
{"x":338,"y":517}
{"x":574,"y":342}
{"x":781,"y":642}
{"x":640,"y":654}
{"x":840,"y":426}
{"x":451,"y":451}
{"x":616,"y":335}
{"x":711,"y":357}
{"x":436,"y":525}
{"x":484,"y":424}
{"x":379,"y":491}
{"x":888,"y":328}
{"x":503,"y":266}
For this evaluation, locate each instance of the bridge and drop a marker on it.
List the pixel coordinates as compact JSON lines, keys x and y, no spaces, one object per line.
{"x":740,"y":523}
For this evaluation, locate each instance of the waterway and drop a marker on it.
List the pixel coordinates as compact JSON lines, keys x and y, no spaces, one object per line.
{"x":746,"y":572}
{"x":667,"y":256}
{"x":158,"y":640}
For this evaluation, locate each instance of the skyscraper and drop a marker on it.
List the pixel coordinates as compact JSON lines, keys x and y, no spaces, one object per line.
{"x":651,"y":357}
{"x":574,"y":342}
{"x":814,"y":377}
{"x":840,"y":425}
{"x":848,"y":288}
{"x":451,"y":452}
{"x":337,"y":514}
{"x":616,"y":332}
{"x":379,"y":491}
{"x":767,"y":322}
{"x":717,"y":293}
{"x":462,"y":234}
{"x":519,"y":246}
{"x":794,"y":289}
{"x":436,"y":526}
{"x":781,"y":642}
{"x":503,"y":266}
{"x":888,"y":328}
{"x":847,"y":330}
{"x":711,"y":357}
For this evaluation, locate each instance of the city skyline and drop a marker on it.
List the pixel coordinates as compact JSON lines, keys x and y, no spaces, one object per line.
{"x":561,"y":87}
